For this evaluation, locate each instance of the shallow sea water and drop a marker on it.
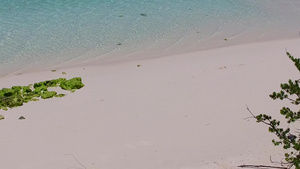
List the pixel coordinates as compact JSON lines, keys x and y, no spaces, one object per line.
{"x":46,"y":33}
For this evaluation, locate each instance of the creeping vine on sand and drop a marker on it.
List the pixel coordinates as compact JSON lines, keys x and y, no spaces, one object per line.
{"x":18,"y":95}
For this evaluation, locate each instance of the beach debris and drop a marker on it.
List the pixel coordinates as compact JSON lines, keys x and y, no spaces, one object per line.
{"x":53,"y":70}
{"x":1,"y":117}
{"x":143,"y":14}
{"x":77,"y":160}
{"x":226,"y":39}
{"x":64,"y":73}
{"x":119,"y":44}
{"x":260,"y":166}
{"x":291,"y":137}
{"x":21,"y":118}
{"x":138,"y":65}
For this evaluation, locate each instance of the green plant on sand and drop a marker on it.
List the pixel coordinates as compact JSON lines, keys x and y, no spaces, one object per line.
{"x":289,"y":141}
{"x":18,"y":95}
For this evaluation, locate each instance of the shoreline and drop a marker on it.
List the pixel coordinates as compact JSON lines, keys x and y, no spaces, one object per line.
{"x":180,"y":111}
{"x":100,"y":62}
{"x":151,"y":53}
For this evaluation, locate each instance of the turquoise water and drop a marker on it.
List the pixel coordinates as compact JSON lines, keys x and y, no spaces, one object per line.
{"x":45,"y":33}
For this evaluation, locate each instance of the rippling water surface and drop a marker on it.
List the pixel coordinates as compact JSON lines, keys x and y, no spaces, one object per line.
{"x":37,"y":33}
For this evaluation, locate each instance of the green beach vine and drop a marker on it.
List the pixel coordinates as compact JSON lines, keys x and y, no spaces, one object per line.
{"x":18,"y":95}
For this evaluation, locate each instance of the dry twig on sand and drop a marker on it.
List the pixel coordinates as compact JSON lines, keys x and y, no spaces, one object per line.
{"x":260,"y":166}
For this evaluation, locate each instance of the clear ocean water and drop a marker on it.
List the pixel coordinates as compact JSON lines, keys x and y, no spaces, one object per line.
{"x":45,"y":33}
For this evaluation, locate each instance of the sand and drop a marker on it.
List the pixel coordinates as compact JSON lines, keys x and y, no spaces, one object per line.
{"x":184,"y":111}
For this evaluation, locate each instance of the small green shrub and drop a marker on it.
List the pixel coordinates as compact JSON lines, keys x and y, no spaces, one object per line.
{"x":289,"y":141}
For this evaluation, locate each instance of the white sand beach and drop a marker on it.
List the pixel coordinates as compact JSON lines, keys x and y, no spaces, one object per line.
{"x":184,"y":111}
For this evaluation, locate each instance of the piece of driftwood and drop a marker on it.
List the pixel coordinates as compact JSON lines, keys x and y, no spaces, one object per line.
{"x":261,"y":166}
